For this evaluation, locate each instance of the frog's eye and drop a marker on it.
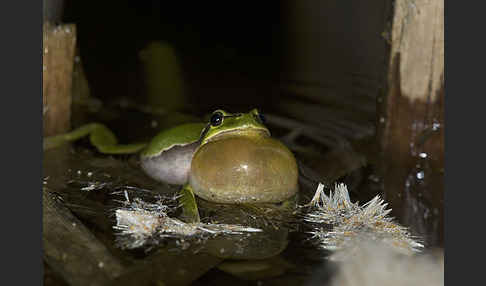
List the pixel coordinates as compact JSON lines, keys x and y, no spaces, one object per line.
{"x":216,"y":119}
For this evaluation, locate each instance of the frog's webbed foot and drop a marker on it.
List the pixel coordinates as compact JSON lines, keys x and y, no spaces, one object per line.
{"x":187,"y":200}
{"x":100,"y":136}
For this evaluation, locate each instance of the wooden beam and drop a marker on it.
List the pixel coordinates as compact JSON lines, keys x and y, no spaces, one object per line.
{"x":57,"y":67}
{"x":412,"y":118}
{"x":71,"y":250}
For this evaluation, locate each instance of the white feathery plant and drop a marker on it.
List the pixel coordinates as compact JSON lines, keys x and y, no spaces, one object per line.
{"x":349,"y":221}
{"x":140,"y":223}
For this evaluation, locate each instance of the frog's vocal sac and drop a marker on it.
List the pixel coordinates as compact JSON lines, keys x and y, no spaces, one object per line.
{"x":231,"y":159}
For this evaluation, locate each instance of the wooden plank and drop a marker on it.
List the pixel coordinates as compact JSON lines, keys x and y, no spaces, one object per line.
{"x":418,"y":39}
{"x":71,"y":250}
{"x":412,"y":118}
{"x":57,"y":67}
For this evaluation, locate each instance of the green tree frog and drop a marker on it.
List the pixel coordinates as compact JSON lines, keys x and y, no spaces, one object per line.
{"x":232,"y":159}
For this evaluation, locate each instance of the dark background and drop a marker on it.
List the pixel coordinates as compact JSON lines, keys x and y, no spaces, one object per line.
{"x":237,"y":54}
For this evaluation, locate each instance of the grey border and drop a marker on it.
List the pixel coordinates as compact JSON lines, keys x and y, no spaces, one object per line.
{"x":464,"y":144}
{"x":21,"y":224}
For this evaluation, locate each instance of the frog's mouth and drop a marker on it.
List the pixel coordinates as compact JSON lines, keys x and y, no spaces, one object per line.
{"x":243,"y":131}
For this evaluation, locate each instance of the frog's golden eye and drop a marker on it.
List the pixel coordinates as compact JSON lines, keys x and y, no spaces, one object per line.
{"x":216,"y":119}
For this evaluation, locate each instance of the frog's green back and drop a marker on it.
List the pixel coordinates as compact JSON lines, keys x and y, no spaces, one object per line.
{"x":177,"y":136}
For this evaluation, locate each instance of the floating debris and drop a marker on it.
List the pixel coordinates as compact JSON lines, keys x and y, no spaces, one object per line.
{"x":143,"y":224}
{"x":348,"y":221}
{"x":94,"y":186}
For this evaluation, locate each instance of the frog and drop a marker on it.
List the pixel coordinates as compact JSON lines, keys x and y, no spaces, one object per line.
{"x":231,"y":159}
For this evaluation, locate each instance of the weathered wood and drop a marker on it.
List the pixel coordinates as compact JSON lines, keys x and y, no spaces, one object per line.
{"x":71,"y":250}
{"x":57,"y":67}
{"x":412,"y":118}
{"x":418,"y":39}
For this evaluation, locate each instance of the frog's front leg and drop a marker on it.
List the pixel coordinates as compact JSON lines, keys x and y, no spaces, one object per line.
{"x":187,"y":200}
{"x":100,"y":136}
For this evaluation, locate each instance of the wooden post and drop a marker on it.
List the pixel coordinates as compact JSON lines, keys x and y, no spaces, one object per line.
{"x":57,"y":67}
{"x":412,"y":118}
{"x":71,"y":250}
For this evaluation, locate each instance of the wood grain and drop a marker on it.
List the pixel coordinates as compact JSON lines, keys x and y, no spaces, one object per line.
{"x":57,"y":66}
